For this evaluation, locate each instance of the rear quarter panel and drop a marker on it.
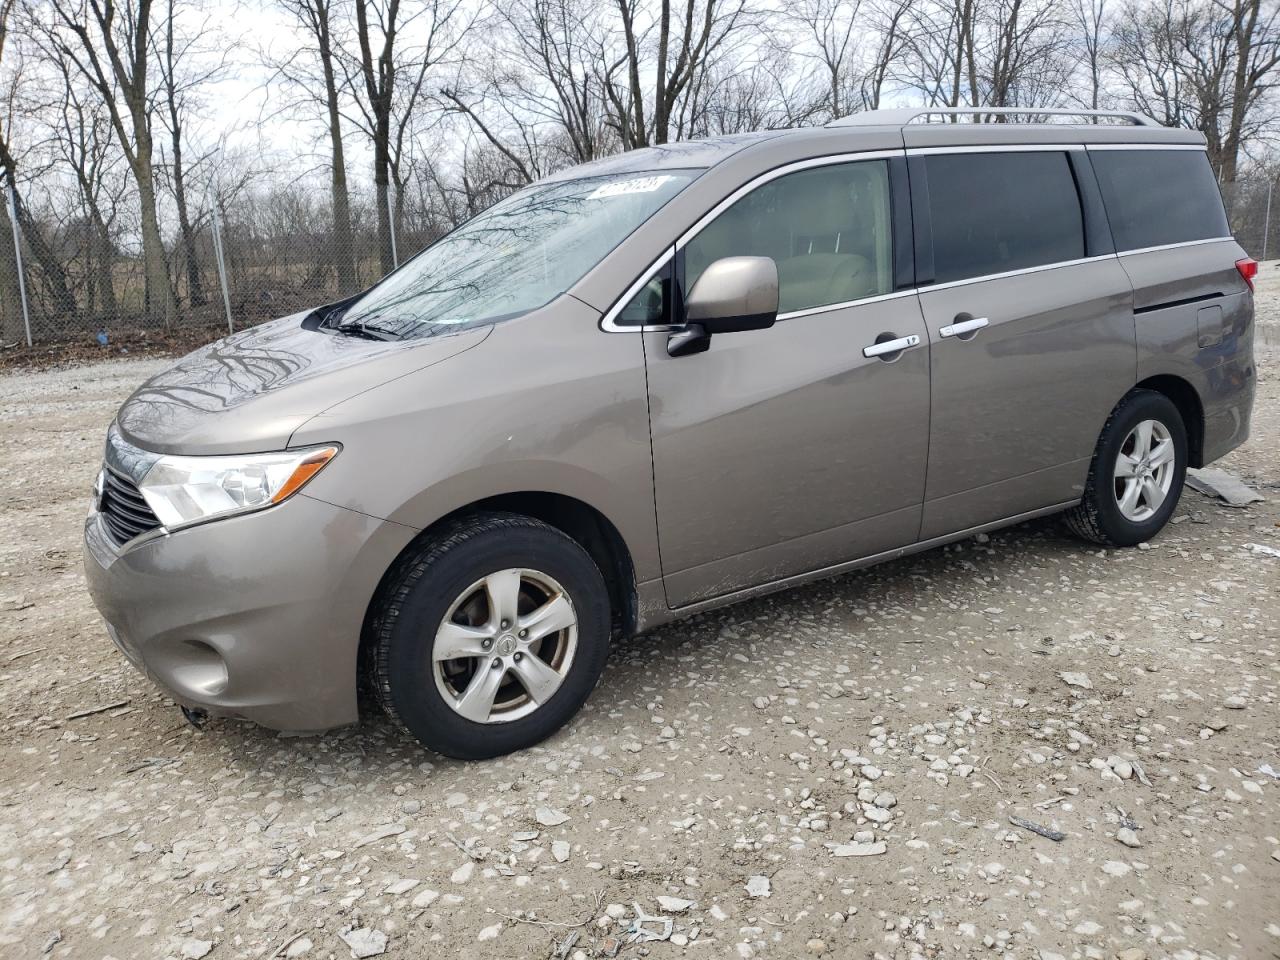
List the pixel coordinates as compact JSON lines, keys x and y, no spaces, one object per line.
{"x":1180,"y":334}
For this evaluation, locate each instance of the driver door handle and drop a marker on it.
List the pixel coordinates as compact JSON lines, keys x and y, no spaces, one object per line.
{"x":963,"y":327}
{"x":891,"y":346}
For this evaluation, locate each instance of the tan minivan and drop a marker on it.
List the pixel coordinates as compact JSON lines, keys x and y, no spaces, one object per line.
{"x":666,"y":381}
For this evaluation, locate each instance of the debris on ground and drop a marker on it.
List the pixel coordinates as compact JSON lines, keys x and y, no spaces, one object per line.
{"x":1047,"y":832}
{"x":1218,"y":483}
{"x":647,"y":929}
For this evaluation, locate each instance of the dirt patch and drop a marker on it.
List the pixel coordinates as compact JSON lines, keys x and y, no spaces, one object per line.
{"x":877,"y":765}
{"x":85,"y":349}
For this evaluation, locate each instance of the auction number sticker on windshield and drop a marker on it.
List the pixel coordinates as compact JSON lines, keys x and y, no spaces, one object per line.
{"x":623,"y":187}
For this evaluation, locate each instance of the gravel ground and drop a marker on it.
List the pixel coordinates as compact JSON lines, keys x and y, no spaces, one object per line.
{"x":851,"y":768}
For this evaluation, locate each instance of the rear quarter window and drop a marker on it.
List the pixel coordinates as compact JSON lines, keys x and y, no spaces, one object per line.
{"x":1158,"y":197}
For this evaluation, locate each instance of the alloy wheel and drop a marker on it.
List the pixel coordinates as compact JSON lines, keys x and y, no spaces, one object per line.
{"x":505,"y":646}
{"x":1144,"y":470}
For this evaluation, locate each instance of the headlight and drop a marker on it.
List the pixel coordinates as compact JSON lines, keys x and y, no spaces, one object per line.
{"x":186,"y":490}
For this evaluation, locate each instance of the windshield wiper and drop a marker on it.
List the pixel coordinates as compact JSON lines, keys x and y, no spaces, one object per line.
{"x":369,"y":331}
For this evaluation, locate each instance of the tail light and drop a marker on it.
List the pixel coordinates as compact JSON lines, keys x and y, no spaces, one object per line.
{"x":1248,"y":268}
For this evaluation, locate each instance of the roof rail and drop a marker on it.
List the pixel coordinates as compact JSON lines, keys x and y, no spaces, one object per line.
{"x":901,"y":116}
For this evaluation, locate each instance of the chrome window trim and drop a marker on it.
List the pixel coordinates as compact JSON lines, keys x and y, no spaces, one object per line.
{"x":609,"y":322}
{"x":995,"y":148}
{"x":878,"y":298}
{"x":774,"y":174}
{"x":1174,"y":246}
{"x":1021,"y":271}
{"x":1147,"y":146}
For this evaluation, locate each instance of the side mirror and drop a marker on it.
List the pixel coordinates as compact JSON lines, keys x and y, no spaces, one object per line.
{"x":734,"y":293}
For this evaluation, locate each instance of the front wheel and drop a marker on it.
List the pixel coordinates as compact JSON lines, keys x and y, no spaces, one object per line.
{"x":491,"y":636}
{"x":1135,"y":479}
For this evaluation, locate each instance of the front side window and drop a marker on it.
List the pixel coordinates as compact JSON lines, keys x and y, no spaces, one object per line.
{"x":828,"y":229}
{"x":1156,"y":197}
{"x":516,"y":256}
{"x":997,"y":212}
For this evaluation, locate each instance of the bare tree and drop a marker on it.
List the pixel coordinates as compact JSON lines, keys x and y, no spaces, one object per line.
{"x":50,"y":269}
{"x":686,"y":42}
{"x":390,"y":82}
{"x":83,"y":136}
{"x":829,"y":34}
{"x":187,"y":62}
{"x":1203,"y":64}
{"x":546,"y":76}
{"x":313,"y":74}
{"x":1091,"y":23}
{"x":110,"y":46}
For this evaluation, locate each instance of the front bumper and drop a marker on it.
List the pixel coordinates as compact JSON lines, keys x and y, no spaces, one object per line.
{"x":257,"y":616}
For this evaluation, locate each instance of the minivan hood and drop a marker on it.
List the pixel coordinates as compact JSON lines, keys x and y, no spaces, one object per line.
{"x":248,"y":392}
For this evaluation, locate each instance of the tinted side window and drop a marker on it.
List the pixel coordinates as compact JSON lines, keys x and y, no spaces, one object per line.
{"x":995,"y":212}
{"x":1155,"y":197}
{"x":828,"y":229}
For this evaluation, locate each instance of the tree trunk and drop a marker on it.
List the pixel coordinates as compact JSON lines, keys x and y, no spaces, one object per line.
{"x":381,"y":182}
{"x":195,"y":290}
{"x":11,"y":326}
{"x":104,"y":255}
{"x":343,"y":253}
{"x":158,"y":296}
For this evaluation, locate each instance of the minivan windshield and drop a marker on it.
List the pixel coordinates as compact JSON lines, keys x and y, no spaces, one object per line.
{"x":519,"y":254}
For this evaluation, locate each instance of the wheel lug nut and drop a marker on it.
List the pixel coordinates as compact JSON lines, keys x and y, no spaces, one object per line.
{"x":505,"y":624}
{"x":486,"y":643}
{"x":518,"y":657}
{"x":495,"y":663}
{"x":523,"y":634}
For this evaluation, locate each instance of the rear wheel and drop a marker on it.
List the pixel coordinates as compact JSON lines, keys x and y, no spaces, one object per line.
{"x":491,"y":637}
{"x":1135,"y":479}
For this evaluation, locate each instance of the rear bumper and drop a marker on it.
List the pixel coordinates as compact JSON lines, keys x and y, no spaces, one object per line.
{"x":256,"y":616}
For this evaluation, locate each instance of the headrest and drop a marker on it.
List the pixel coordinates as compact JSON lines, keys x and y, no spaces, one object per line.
{"x":818,"y":205}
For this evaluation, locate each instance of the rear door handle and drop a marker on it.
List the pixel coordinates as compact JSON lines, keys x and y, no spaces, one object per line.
{"x":963,"y":327}
{"x":891,"y":346}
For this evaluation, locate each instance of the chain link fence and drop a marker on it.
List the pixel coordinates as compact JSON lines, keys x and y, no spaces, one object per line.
{"x":257,"y":256}
{"x":244,"y":260}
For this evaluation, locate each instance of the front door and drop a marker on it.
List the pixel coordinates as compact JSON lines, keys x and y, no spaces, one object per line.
{"x":787,"y":450}
{"x":1031,"y":321}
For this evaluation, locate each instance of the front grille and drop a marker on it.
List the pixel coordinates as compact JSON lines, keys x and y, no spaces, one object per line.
{"x":124,"y":511}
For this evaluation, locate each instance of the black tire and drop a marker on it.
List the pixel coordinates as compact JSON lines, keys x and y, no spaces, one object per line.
{"x":420,"y":591}
{"x":1098,"y":517}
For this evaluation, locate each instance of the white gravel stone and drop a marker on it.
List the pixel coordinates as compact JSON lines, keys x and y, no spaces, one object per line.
{"x":859,"y":849}
{"x":550,"y":817}
{"x":758,"y":886}
{"x":365,"y":942}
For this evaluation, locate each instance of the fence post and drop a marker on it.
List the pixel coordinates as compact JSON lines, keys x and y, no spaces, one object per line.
{"x":222,"y":265}
{"x":17,"y":256}
{"x":1266,"y":221}
{"x":391,"y":223}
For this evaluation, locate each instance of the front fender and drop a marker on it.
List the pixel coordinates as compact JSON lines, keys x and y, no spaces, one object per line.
{"x":549,"y":403}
